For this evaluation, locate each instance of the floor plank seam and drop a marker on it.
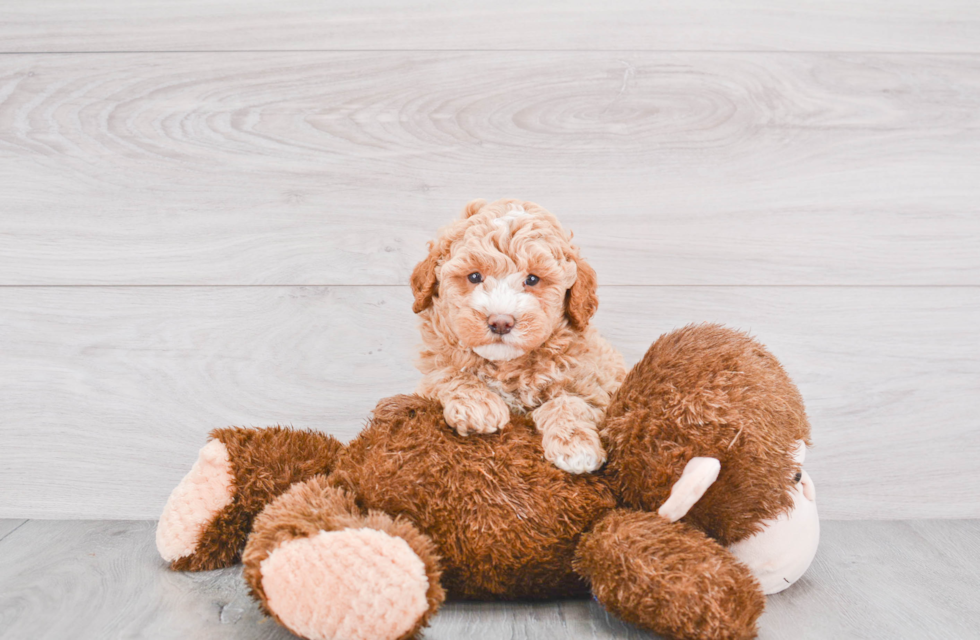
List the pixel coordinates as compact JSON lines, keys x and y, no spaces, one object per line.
{"x":8,"y":534}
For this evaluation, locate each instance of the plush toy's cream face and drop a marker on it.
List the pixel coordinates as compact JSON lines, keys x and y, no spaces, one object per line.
{"x":503,"y":279}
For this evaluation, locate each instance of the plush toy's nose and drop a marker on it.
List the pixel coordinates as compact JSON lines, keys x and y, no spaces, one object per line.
{"x":501,"y":323}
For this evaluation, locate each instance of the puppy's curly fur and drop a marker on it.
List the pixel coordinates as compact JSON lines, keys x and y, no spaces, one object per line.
{"x":504,"y":301}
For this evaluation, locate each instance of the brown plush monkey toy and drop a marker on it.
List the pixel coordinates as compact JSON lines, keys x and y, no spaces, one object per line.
{"x":365,"y":541}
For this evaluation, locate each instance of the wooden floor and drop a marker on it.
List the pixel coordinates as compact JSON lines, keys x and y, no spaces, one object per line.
{"x":98,"y":580}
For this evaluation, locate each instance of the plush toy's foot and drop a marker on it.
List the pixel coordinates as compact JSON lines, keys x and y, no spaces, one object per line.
{"x":195,"y":502}
{"x":210,"y":513}
{"x":326,"y":572}
{"x":669,"y":578}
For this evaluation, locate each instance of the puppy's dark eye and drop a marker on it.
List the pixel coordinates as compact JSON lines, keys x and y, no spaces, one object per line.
{"x":532,"y":280}
{"x":475,"y":277}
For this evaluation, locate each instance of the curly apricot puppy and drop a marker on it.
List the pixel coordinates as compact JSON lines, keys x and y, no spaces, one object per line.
{"x":505,"y":302}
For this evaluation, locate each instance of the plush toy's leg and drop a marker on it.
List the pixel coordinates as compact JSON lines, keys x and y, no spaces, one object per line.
{"x":209,"y":514}
{"x":669,"y":578}
{"x":328,"y":572}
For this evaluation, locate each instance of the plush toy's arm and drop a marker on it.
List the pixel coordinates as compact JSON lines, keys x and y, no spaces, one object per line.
{"x":209,"y":514}
{"x":699,"y":474}
{"x":668,"y":578}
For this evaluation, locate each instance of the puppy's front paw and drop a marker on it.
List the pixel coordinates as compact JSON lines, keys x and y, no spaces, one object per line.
{"x":476,"y":413}
{"x":578,"y":452}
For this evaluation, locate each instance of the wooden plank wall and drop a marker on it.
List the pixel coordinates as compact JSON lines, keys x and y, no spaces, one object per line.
{"x":209,"y":210}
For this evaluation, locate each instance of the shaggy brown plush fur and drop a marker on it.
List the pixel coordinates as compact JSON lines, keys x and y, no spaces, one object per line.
{"x":498,"y":521}
{"x":265,"y":462}
{"x":669,"y":578}
{"x":505,"y":522}
{"x":706,"y":390}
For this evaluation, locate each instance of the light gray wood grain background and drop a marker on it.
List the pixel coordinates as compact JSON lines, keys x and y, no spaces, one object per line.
{"x":527,"y":25}
{"x":336,"y":168}
{"x":209,"y":210}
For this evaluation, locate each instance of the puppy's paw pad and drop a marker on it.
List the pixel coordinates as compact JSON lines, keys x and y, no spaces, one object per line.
{"x":204,"y":491}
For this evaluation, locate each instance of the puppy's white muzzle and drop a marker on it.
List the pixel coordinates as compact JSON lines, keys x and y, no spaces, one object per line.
{"x":503,"y":297}
{"x":498,"y":351}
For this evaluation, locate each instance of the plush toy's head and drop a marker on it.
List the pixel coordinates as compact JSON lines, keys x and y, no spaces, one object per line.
{"x":502,"y":279}
{"x":706,"y":390}
{"x":505,"y":520}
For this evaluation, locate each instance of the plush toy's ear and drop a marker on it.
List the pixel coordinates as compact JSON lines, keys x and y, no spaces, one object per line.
{"x":581,"y":301}
{"x":424,"y":285}
{"x":472,"y":207}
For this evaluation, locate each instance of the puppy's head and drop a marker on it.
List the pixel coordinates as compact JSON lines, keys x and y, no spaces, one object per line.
{"x":504,"y":278}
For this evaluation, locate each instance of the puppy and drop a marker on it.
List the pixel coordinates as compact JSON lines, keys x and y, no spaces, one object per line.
{"x":504,"y":302}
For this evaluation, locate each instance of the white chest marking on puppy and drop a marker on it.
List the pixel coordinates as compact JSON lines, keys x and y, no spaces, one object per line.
{"x":512,"y":400}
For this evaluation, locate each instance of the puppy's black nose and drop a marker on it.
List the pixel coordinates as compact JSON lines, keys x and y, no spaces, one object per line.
{"x":501,"y":323}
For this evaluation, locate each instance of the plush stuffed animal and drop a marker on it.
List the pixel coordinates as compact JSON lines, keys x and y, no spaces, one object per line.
{"x":365,"y":541}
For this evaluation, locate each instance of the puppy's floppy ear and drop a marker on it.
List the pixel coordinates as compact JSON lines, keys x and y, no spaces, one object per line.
{"x":423,"y":280}
{"x":472,"y":207}
{"x":581,"y":301}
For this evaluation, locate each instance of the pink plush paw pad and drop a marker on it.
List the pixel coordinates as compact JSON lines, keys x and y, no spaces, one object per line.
{"x":204,"y":491}
{"x":354,"y":584}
